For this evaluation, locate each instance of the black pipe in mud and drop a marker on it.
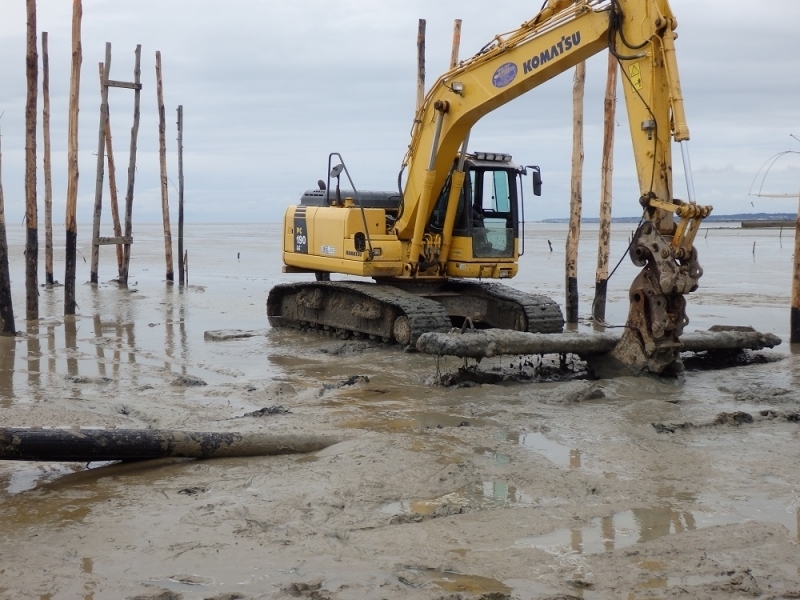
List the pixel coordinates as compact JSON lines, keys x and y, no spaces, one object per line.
{"x":87,"y":445}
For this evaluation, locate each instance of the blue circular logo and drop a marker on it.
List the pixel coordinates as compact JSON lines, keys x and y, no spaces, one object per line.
{"x":505,"y":74}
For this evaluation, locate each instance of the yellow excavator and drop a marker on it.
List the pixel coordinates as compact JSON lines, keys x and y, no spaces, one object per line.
{"x":459,"y":215}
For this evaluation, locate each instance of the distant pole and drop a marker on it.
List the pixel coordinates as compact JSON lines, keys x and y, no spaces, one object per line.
{"x":162,"y":153}
{"x":576,"y":198}
{"x":606,"y":170}
{"x":6,"y":307}
{"x":101,"y":159}
{"x":112,"y":179}
{"x":456,"y":43}
{"x":420,"y":64}
{"x":181,"y":276}
{"x":72,"y":161}
{"x":48,"y":181}
{"x":31,"y":212}
{"x":126,"y":249}
{"x":795,"y":314}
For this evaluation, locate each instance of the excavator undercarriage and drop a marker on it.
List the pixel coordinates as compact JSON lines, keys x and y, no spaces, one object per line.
{"x":402,"y":311}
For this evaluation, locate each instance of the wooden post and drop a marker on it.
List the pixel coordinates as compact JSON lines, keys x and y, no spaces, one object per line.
{"x":72,"y":161}
{"x":420,"y":64}
{"x":456,"y":43}
{"x":6,"y":306}
{"x":126,"y":249}
{"x":162,"y":153}
{"x":186,"y":264}
{"x":181,"y":277}
{"x":112,"y":180}
{"x":31,"y":212}
{"x":576,"y":199}
{"x":48,"y":180}
{"x":794,"y":327}
{"x":101,"y":145}
{"x":606,"y":170}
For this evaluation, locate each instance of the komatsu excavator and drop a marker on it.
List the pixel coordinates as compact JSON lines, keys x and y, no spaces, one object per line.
{"x":459,"y":215}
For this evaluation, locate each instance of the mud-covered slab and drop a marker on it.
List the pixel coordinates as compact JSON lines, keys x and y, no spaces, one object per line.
{"x":222,"y":335}
{"x":498,"y":342}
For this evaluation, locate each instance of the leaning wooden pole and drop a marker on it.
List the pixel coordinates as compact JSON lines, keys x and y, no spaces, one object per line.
{"x":162,"y":154}
{"x":101,"y":159}
{"x":126,"y":249}
{"x":606,"y":171}
{"x":112,"y":184}
{"x":48,"y":179}
{"x":456,"y":43}
{"x":6,"y":306}
{"x":576,"y":194}
{"x":72,"y":162}
{"x":420,"y":63}
{"x":31,"y":209}
{"x":181,"y":275}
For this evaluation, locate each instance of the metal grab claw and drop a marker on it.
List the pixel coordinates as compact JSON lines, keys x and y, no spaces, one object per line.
{"x":657,"y":314}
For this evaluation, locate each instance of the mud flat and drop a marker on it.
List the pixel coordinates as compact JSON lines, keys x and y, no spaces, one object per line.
{"x":541,"y":486}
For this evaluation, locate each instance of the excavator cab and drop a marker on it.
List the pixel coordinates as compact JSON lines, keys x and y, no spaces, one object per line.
{"x":489,"y":218}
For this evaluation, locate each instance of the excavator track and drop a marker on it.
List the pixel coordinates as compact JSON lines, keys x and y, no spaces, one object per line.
{"x":391,"y":313}
{"x":345,"y":308}
{"x":541,"y":313}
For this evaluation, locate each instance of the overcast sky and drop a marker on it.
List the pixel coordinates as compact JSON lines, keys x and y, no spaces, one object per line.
{"x":270,"y":88}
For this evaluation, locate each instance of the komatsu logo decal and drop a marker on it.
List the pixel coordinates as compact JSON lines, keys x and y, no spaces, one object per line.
{"x":504,"y":75}
{"x":566,"y":44}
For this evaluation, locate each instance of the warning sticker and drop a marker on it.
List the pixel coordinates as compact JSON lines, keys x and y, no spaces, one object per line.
{"x":636,"y":76}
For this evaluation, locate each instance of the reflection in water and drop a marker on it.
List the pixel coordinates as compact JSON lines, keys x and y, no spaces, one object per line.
{"x":34,"y":354}
{"x":184,"y":338}
{"x":101,"y":357}
{"x":476,"y":495}
{"x":71,"y":343}
{"x":625,"y":529}
{"x":8,"y":350}
{"x":51,"y":349}
{"x":553,"y":451}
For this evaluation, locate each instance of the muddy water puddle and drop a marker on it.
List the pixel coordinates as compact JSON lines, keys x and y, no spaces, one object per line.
{"x":625,"y":529}
{"x":403,"y":422}
{"x":479,"y":495}
{"x":556,"y":453}
{"x":640,"y":525}
{"x":450,"y":581}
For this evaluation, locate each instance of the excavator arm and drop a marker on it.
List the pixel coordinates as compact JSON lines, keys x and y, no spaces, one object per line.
{"x":641,"y":35}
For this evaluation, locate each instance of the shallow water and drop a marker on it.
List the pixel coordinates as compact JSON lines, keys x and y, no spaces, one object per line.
{"x":232,"y":267}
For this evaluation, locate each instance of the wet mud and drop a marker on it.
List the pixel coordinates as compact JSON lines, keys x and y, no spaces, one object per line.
{"x":540,"y":485}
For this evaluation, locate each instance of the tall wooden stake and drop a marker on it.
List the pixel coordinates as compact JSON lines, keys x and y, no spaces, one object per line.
{"x":48,"y":180}
{"x":6,"y":306}
{"x":72,"y":161}
{"x":31,"y":212}
{"x":795,"y":314}
{"x":576,"y":194}
{"x":126,"y":250}
{"x":162,"y":153}
{"x":456,"y":43}
{"x":181,"y":275}
{"x":420,"y":64}
{"x":606,"y":170}
{"x":101,"y":159}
